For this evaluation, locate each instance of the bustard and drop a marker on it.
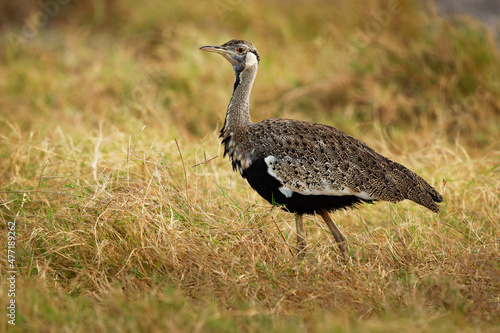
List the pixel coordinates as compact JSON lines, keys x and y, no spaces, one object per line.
{"x":304,"y":167}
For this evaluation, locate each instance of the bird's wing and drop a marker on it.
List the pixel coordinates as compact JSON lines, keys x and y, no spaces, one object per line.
{"x":314,"y":159}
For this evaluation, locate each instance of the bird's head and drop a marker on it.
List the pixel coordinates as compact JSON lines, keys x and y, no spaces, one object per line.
{"x":240,"y":53}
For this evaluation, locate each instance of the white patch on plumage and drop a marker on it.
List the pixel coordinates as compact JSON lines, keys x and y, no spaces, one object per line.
{"x":269,"y":162}
{"x":251,"y":59}
{"x":286,"y":191}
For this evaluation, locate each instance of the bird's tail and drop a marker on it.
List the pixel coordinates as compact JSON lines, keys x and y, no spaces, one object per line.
{"x":423,"y":193}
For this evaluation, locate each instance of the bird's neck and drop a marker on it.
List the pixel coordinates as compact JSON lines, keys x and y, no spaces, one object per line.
{"x":238,"y":112}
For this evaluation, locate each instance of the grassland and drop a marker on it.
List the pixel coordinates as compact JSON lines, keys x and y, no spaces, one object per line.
{"x":129,"y":219}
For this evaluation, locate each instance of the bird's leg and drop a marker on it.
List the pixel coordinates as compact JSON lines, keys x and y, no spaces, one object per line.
{"x":337,"y":234}
{"x":301,"y":234}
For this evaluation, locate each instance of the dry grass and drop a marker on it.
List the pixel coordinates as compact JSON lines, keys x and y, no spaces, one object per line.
{"x":128,"y":217}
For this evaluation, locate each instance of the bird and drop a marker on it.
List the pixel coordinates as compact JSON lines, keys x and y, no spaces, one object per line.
{"x":307,"y":168}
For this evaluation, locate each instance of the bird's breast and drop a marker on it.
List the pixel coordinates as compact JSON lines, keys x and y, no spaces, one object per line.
{"x":240,"y":158}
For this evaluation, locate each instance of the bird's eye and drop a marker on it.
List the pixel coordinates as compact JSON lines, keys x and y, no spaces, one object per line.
{"x":240,"y":50}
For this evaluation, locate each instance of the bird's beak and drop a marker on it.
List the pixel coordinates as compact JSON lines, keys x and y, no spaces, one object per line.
{"x":215,"y":49}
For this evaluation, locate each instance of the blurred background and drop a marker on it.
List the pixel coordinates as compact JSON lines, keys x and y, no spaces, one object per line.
{"x":400,"y":65}
{"x":487,"y":11}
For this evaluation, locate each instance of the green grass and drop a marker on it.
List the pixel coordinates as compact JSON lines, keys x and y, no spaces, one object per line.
{"x":129,"y":219}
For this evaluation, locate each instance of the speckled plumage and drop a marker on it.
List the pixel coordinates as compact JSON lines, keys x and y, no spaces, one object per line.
{"x":311,"y":158}
{"x":305,"y":167}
